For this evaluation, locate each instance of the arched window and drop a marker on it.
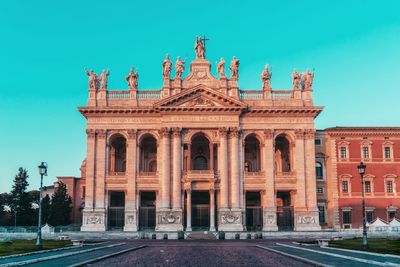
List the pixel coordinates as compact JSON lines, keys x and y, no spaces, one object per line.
{"x":148,"y":154}
{"x":200,"y":163}
{"x":200,"y":152}
{"x":252,"y":154}
{"x":282,"y":154}
{"x":318,"y":170}
{"x":118,"y":154}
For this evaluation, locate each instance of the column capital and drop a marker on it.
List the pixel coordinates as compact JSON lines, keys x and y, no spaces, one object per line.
{"x":132,"y":133}
{"x":101,"y":133}
{"x":234,"y":132}
{"x":299,"y":133}
{"x":222,"y":131}
{"x":164,"y":132}
{"x":268,"y":133}
{"x":176,"y":131}
{"x":188,"y":187}
{"x":309,"y":134}
{"x":91,"y":133}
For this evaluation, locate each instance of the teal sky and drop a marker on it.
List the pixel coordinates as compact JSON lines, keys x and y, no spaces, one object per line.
{"x":352,"y":45}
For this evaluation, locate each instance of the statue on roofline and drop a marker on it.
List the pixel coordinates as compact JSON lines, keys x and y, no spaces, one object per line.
{"x":132,"y":79}
{"x":266,"y":78}
{"x":93,"y":79}
{"x":221,"y":67}
{"x":307,"y":80}
{"x":296,"y":80}
{"x":166,"y":67}
{"x":234,"y":68}
{"x":104,"y":79}
{"x":199,"y":48}
{"x":179,"y":67}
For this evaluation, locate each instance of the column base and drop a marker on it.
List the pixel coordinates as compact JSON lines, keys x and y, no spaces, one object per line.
{"x":306,"y":221}
{"x":230,"y":219}
{"x":130,"y":221}
{"x":94,"y":220}
{"x":269,"y":220}
{"x":212,"y":229}
{"x":169,"y":220}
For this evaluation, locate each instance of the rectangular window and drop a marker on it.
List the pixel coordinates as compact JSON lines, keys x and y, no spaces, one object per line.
{"x":317,"y":142}
{"x":387,"y":153}
{"x":345,"y":187}
{"x":367,"y":187}
{"x":321,"y":210}
{"x":389,"y":186}
{"x":366,"y":152}
{"x":370,"y":216}
{"x":391,"y":215}
{"x":346,"y":217}
{"x":83,"y":191}
{"x":343,"y":153}
{"x":320,"y":190}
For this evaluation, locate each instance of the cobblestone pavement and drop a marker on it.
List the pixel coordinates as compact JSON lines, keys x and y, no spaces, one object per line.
{"x":200,"y":253}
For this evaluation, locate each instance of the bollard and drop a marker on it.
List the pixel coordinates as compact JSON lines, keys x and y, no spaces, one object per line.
{"x":153,"y":236}
{"x":181,"y":235}
{"x":221,"y":235}
{"x":165,"y":237}
{"x":237,"y":236}
{"x":248,"y":236}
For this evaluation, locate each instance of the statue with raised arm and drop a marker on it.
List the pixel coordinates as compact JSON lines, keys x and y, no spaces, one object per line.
{"x":179,"y":67}
{"x":307,"y":80}
{"x":199,"y":48}
{"x":93,"y":79}
{"x":266,"y":78}
{"x":296,"y":80}
{"x":234,"y":68}
{"x":166,"y":67}
{"x":132,"y":79}
{"x":221,"y":67}
{"x":104,"y":79}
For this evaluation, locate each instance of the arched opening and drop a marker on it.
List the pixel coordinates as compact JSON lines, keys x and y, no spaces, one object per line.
{"x":282,"y":154}
{"x":148,"y":154}
{"x":252,"y":154}
{"x":200,"y":153}
{"x":319,"y":170}
{"x":117,"y":155}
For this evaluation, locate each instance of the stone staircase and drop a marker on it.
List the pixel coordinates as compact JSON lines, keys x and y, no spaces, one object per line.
{"x":200,"y":235}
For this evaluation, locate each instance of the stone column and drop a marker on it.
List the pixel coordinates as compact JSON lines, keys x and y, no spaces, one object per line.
{"x":269,"y":199}
{"x":89,"y":220}
{"x":189,"y":158}
{"x":188,"y":210}
{"x":176,"y":178}
{"x":130,"y":198}
{"x":234,"y":157}
{"x":100,"y":171}
{"x":223,"y":168}
{"x":165,"y":169}
{"x":212,"y":210}
{"x":211,"y":148}
{"x":300,"y":206}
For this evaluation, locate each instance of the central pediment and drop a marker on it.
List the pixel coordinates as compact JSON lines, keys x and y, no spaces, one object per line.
{"x":200,"y":98}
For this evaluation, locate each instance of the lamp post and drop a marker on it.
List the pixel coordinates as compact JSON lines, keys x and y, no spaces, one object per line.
{"x":42,"y":171}
{"x":361,"y":170}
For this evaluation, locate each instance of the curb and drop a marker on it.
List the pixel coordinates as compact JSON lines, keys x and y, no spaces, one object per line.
{"x":21,"y":263}
{"x":314,"y":263}
{"x":105,"y":256}
{"x":37,"y":252}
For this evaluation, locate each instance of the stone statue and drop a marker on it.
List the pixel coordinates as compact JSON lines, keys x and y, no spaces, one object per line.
{"x":93,"y":79}
{"x":166,"y":67}
{"x":199,"y":48}
{"x":132,"y":79}
{"x":104,"y":79}
{"x":179,"y":67}
{"x":296,"y":80}
{"x":306,"y":80}
{"x":221,"y":67}
{"x":234,"y":68}
{"x":266,"y":78}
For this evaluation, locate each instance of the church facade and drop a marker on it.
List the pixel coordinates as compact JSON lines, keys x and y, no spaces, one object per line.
{"x":200,"y":153}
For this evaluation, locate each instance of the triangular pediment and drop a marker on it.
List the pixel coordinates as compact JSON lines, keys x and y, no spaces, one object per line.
{"x":200,"y":97}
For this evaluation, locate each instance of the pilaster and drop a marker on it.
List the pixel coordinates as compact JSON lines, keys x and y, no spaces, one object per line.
{"x":176,"y":175}
{"x":234,"y":157}
{"x":131,"y":223}
{"x":223,"y":168}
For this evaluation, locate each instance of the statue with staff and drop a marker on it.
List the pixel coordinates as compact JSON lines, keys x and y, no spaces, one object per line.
{"x":234,"y":67}
{"x":296,"y":80}
{"x":221,"y":67}
{"x":179,"y":67}
{"x":266,"y":78}
{"x":93,"y":79}
{"x":132,"y":79}
{"x":166,"y":67}
{"x":104,"y":79}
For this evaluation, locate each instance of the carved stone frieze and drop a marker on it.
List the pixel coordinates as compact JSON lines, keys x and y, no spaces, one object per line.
{"x":95,"y":219}
{"x":200,"y":101}
{"x":231,"y":217}
{"x":306,"y":219}
{"x":169,"y":217}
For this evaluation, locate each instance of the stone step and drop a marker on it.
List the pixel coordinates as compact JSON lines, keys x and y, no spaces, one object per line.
{"x":201,"y":235}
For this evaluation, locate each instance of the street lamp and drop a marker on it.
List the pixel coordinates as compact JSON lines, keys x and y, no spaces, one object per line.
{"x":42,"y":171}
{"x":361,"y":171}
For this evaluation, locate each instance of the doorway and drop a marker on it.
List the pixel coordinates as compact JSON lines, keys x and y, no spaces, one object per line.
{"x":253,"y":211}
{"x":147,"y":211}
{"x":200,"y":210}
{"x":116,"y":211}
{"x":284,"y":212}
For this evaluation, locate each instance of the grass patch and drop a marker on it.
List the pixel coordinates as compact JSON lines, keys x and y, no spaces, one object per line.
{"x":381,"y":245}
{"x":24,"y":246}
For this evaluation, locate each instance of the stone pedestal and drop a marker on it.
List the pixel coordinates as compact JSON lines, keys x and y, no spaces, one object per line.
{"x":130,"y":221}
{"x":269,"y":219}
{"x":230,"y":220}
{"x":169,"y":220}
{"x":94,"y":221}
{"x":306,"y":221}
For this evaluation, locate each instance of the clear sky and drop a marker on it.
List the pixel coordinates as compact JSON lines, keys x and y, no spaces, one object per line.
{"x":354,"y":47}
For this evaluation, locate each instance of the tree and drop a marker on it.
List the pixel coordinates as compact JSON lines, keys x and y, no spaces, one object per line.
{"x":60,"y":207}
{"x":45,"y":209}
{"x":20,"y":200}
{"x":5,"y":214}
